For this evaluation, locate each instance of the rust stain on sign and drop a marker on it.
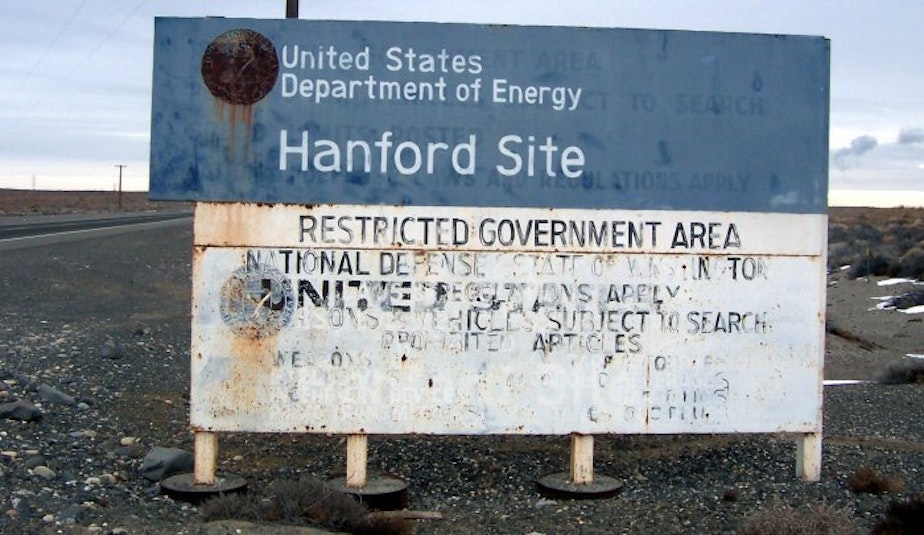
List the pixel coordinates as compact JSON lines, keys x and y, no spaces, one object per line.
{"x":249,"y":359}
{"x":235,"y":114}
{"x":239,"y":68}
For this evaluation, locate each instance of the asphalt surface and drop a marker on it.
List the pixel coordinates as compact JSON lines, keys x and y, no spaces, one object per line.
{"x":34,"y":231}
{"x":17,"y":227}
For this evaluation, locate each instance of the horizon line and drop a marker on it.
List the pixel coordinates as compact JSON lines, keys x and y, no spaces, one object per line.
{"x":837,"y":198}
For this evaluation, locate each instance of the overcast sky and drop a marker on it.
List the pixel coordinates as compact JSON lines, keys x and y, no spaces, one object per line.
{"x":75,"y":79}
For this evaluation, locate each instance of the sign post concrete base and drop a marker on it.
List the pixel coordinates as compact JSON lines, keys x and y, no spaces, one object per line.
{"x":380,"y":492}
{"x":203,"y":482}
{"x":183,"y":487}
{"x":580,"y":483}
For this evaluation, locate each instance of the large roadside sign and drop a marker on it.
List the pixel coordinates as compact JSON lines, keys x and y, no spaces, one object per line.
{"x":469,"y":229}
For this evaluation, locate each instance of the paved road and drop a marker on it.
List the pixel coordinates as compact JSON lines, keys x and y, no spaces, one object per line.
{"x":19,"y":233}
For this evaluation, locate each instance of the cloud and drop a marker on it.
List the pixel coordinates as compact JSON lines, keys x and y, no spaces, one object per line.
{"x":859,"y":146}
{"x":909,"y":136}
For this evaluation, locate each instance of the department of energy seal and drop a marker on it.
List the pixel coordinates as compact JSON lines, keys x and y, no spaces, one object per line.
{"x":240,"y":67}
{"x":257,"y":302}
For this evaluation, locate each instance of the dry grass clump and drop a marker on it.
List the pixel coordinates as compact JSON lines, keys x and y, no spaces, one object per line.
{"x":905,"y":373}
{"x":782,"y":519}
{"x":303,"y":502}
{"x":866,"y":480}
{"x":902,"y":518}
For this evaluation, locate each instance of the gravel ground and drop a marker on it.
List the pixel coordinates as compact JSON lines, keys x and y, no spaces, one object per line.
{"x":95,"y":335}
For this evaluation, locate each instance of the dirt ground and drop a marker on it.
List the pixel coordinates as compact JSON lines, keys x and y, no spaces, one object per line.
{"x":862,"y":342}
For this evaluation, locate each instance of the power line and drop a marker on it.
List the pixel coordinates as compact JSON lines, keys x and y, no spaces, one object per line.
{"x":48,"y":48}
{"x":77,"y":66}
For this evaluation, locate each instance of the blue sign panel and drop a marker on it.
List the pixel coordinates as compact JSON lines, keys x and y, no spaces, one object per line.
{"x":428,"y":114}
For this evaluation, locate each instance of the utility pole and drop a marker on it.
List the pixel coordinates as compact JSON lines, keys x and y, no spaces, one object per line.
{"x":291,"y":9}
{"x":120,"y":166}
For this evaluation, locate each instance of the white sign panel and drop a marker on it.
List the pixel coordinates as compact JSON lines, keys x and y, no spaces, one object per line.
{"x":376,"y":319}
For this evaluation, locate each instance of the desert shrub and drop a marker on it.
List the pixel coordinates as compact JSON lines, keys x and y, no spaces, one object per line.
{"x":888,"y":246}
{"x":865,"y":480}
{"x":840,"y":254}
{"x":867,"y":233}
{"x":904,"y":373}
{"x":879,"y":243}
{"x":308,"y":501}
{"x":902,"y":517}
{"x":838,"y":233}
{"x":894,"y":269}
{"x":781,"y":519}
{"x":236,"y":507}
{"x":904,"y":237}
{"x":912,"y":263}
{"x":875,"y":264}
